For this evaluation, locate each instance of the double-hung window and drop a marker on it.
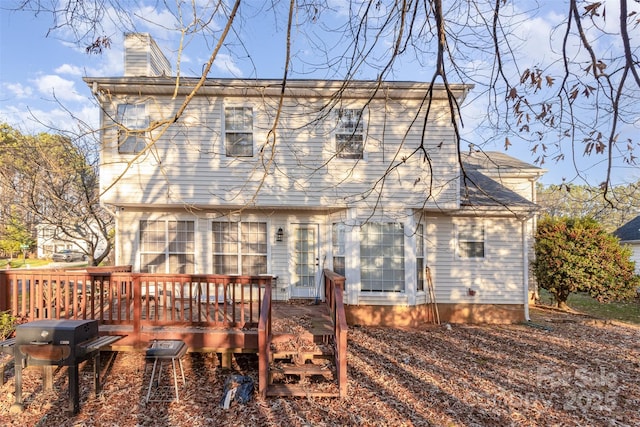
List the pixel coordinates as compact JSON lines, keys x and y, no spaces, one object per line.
{"x":238,"y":131}
{"x":239,"y":248}
{"x":382,"y":257}
{"x":133,"y":120}
{"x":338,"y":243}
{"x":471,"y":240}
{"x":167,"y":246}
{"x":420,"y":266}
{"x":349,"y":133}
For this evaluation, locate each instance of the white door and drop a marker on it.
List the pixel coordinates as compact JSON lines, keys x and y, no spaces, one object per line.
{"x":305,"y":266}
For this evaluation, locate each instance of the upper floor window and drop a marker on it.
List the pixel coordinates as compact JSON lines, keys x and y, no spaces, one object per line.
{"x":470,"y":240}
{"x":134,"y":121}
{"x":47,"y":233}
{"x":167,"y":246}
{"x":238,"y":131}
{"x":349,"y":134}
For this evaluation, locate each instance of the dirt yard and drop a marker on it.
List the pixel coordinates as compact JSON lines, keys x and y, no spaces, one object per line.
{"x":561,"y":369}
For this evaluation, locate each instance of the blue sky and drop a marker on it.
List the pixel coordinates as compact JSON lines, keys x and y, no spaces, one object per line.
{"x":41,"y":76}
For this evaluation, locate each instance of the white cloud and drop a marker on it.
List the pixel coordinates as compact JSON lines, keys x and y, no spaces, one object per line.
{"x":51,"y":85}
{"x":339,"y":7}
{"x":109,"y":63}
{"x":18,"y":90}
{"x":72,"y":70}
{"x":161,"y":22}
{"x":35,"y":120}
{"x":225,"y":64}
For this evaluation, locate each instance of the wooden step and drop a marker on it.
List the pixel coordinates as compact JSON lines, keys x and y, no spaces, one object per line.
{"x":281,"y":390}
{"x":302,"y":356}
{"x":303,"y":370}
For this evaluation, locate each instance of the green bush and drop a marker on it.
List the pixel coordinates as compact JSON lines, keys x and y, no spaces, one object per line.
{"x":7,"y":325}
{"x":577,"y":255}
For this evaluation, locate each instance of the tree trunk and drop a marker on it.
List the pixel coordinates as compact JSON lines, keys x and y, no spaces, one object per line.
{"x":561,"y":299}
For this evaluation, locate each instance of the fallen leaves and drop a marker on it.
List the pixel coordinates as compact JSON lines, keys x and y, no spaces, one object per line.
{"x":562,"y":369}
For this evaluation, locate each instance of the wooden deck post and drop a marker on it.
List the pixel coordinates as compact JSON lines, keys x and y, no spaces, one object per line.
{"x":226,"y":360}
{"x":264,"y":342}
{"x":334,"y":285}
{"x":4,"y":292}
{"x":137,"y":303}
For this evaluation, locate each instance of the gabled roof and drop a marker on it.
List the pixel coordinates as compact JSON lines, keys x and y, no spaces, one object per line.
{"x":481,"y":190}
{"x":630,"y":231}
{"x":496,"y":163}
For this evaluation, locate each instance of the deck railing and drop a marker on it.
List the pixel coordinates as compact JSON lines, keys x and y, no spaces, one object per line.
{"x":334,"y":293}
{"x":117,"y":296}
{"x":264,"y":345}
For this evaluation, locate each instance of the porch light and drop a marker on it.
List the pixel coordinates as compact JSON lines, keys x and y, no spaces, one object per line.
{"x":279,"y":235}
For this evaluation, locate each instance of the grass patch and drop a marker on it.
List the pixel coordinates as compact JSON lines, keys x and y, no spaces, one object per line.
{"x":20,"y":263}
{"x":626,"y":311}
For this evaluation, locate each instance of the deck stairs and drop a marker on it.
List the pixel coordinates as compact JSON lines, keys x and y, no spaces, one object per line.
{"x":303,"y":356}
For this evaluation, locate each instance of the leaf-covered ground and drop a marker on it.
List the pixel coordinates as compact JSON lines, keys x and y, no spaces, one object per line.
{"x":562,"y":369}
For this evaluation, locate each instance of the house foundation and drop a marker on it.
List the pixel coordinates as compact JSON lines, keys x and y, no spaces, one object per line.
{"x":418,"y":316}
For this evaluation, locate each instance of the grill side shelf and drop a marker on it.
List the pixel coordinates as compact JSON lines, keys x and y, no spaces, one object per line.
{"x":104,"y":341}
{"x":7,"y":346}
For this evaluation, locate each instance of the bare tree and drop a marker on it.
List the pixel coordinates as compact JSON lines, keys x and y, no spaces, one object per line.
{"x":577,"y":99}
{"x":52,"y":182}
{"x":581,"y":201}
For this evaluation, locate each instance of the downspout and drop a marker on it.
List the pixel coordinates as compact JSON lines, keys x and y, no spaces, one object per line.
{"x":525,"y":247}
{"x":525,"y":270}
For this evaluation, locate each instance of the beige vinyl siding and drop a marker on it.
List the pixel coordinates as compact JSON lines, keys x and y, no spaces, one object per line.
{"x":143,"y":57}
{"x":188,"y":163}
{"x":497,"y":278}
{"x":520,"y":185}
{"x":158,"y":63}
{"x":383,"y":299}
{"x":128,"y":249}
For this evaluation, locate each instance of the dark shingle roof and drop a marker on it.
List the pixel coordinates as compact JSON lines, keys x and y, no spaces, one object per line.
{"x":630,"y":231}
{"x":495,"y":162}
{"x":482,"y":188}
{"x":482,"y":191}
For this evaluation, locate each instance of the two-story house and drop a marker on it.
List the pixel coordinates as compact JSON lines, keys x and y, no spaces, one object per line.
{"x":50,"y":239}
{"x":257,"y":177}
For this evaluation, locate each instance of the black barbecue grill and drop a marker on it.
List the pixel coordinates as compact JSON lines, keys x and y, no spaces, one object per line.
{"x":58,"y":343}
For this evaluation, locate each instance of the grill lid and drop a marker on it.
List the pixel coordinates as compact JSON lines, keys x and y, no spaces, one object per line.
{"x":58,"y":332}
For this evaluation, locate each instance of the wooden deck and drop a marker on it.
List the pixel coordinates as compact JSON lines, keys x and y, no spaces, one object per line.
{"x":300,"y":318}
{"x":210,"y":313}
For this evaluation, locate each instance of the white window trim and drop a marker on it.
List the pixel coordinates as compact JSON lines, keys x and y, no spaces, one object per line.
{"x":122,"y":127}
{"x":336,"y":243}
{"x":335,"y":132}
{"x":420,"y":242}
{"x":238,"y":224}
{"x":166,"y":251}
{"x":458,"y":255}
{"x":224,"y":130}
{"x":374,"y":293}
